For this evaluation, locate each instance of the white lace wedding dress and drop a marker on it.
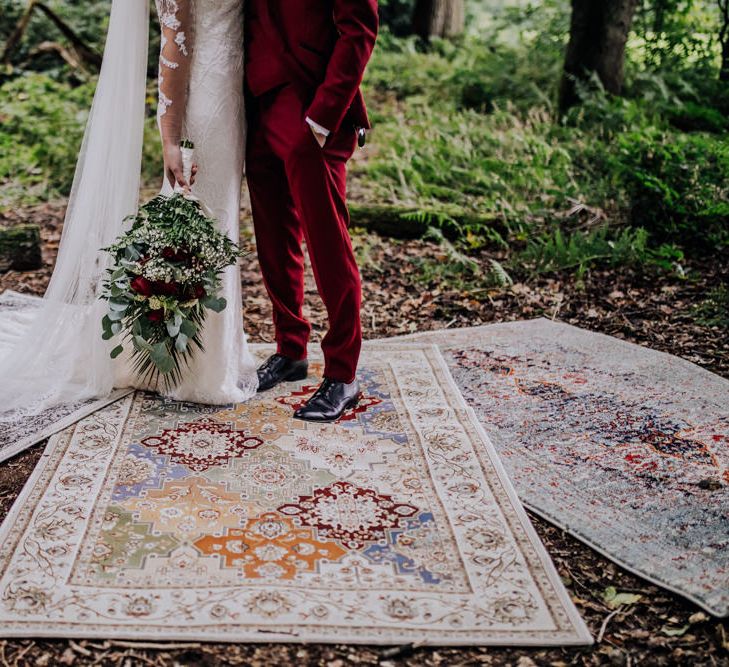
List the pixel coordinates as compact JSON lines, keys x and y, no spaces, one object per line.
{"x":57,"y":356}
{"x":201,"y":99}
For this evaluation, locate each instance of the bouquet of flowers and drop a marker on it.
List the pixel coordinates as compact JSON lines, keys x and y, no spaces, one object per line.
{"x":165,"y":275}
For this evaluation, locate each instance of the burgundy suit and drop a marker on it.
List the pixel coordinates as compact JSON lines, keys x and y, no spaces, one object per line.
{"x":306,"y":58}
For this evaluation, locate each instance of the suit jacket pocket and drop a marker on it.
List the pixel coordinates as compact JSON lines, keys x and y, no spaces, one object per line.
{"x":311,"y":49}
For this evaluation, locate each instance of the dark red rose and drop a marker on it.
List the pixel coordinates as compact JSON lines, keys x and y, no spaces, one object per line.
{"x":167,"y":289}
{"x":174,"y":255}
{"x":156,"y":315}
{"x":198,"y":291}
{"x":141,"y":286}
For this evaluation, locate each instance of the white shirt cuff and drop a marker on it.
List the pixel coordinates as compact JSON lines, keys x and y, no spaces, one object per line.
{"x":317,"y":127}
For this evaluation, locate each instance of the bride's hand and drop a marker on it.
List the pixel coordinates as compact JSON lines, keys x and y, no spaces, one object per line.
{"x":173,"y":166}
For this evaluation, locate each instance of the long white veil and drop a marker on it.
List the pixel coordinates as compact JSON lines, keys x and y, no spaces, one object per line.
{"x":59,"y":356}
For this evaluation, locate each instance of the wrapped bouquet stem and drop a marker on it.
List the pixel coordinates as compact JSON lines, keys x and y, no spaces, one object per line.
{"x":166,"y":274}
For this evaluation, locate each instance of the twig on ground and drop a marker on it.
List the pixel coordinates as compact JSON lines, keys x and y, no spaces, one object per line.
{"x":79,"y":649}
{"x":152,"y":645}
{"x":401,"y":651}
{"x":138,"y":656}
{"x":605,"y":622}
{"x":575,"y":578}
{"x":23,"y":652}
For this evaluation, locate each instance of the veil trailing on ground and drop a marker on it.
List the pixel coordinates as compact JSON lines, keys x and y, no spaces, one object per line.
{"x":58,"y":356}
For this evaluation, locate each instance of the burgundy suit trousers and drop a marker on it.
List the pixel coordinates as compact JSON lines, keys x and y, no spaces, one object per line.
{"x":298,"y":191}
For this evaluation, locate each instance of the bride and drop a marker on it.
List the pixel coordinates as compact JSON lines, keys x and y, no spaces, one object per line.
{"x":59,"y":356}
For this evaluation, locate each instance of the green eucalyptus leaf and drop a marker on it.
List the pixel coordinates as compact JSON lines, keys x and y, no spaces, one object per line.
{"x":160,"y":350}
{"x":165,"y":364}
{"x":117,"y":304}
{"x":117,"y":351}
{"x":188,"y":328}
{"x":130,"y":252}
{"x":142,"y":344}
{"x":162,"y":358}
{"x":216,"y":304}
{"x":181,"y":342}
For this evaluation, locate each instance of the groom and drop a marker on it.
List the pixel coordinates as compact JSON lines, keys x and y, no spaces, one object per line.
{"x":304,"y":64}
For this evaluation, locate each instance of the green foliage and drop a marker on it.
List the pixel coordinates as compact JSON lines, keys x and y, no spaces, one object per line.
{"x":452,"y":137}
{"x":465,"y":136}
{"x":89,"y":20}
{"x":42,"y":128}
{"x":674,"y":34}
{"x":42,"y":125}
{"x":396,"y":15}
{"x":692,"y":117}
{"x":580,"y":250}
{"x":457,"y":270}
{"x":477,"y":72}
{"x":714,"y":310}
{"x":498,"y":166}
{"x":677,"y":184}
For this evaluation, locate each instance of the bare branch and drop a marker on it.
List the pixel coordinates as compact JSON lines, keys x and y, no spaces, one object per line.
{"x":84,"y":52}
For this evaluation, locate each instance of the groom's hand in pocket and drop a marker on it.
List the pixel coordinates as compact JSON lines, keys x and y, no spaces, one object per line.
{"x":320,"y":133}
{"x":320,"y":138}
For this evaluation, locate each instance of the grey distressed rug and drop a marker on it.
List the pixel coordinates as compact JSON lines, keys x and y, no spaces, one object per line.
{"x":624,"y":447}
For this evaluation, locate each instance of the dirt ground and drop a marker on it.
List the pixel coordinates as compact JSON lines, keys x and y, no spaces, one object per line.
{"x":658,"y":310}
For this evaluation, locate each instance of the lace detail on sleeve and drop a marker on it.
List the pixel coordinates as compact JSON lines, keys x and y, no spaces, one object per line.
{"x":175,"y":17}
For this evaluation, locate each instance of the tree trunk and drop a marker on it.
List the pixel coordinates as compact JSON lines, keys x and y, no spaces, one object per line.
{"x":724,"y":40}
{"x":439,"y":18}
{"x":20,"y":248}
{"x":598,"y":33}
{"x":17,"y":34}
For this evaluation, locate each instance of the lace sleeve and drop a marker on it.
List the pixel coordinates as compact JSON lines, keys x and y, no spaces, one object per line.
{"x":175,"y":17}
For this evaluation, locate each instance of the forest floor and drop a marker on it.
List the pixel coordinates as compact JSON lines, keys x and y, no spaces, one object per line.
{"x":661,"y":311}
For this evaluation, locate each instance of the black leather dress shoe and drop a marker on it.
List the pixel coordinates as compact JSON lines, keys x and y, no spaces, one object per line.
{"x":330,"y":401}
{"x":278,"y":368}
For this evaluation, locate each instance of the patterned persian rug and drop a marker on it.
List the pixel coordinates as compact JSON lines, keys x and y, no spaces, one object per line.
{"x":152,"y":519}
{"x":26,"y":431}
{"x":624,"y":447}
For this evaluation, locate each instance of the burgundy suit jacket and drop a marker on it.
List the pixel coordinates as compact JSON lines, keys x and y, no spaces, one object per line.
{"x":320,"y":46}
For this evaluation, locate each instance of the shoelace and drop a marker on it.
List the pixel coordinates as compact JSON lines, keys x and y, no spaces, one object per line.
{"x":270,"y":361}
{"x":323,"y":390}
